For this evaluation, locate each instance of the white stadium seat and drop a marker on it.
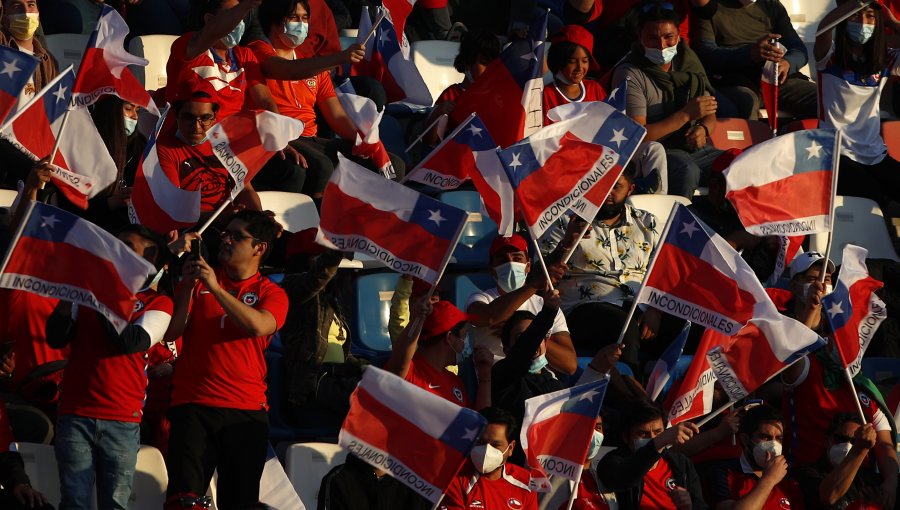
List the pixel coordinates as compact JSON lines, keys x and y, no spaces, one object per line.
{"x":7,"y":196}
{"x":659,"y":205}
{"x":67,"y":49}
{"x":150,"y":480}
{"x":295,"y":211}
{"x":857,"y":221}
{"x":307,"y":463}
{"x":434,"y":60}
{"x":40,"y":465}
{"x":154,"y":48}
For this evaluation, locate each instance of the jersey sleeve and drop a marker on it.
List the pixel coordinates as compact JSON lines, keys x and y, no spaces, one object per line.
{"x":275,"y":301}
{"x":873,"y":413}
{"x":252,"y":70}
{"x":177,"y":63}
{"x":325,"y":89}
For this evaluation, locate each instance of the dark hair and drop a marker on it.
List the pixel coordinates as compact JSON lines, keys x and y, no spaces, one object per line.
{"x":515,"y":318}
{"x":560,"y":53}
{"x":631,"y":170}
{"x":656,"y":12}
{"x":640,"y":413}
{"x":840,"y":419}
{"x":498,"y":416}
{"x":273,"y":12}
{"x":110,"y":121}
{"x":476,"y":43}
{"x":874,"y":51}
{"x":162,"y":254}
{"x":757,"y":416}
{"x":200,"y":8}
{"x":261,"y":226}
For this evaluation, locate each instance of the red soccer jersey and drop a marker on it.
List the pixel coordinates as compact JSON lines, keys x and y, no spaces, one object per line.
{"x":220,"y":366}
{"x":23,"y":321}
{"x":591,"y":91}
{"x":442,"y":383}
{"x":589,"y":496}
{"x":741,"y":480}
{"x":230,"y":78}
{"x":297,"y":98}
{"x":469,"y":490}
{"x":196,"y":166}
{"x":101,"y":382}
{"x":658,"y":483}
{"x":451,"y":93}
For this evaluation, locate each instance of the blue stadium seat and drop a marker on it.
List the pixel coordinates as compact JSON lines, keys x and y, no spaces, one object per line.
{"x":371,"y":311}
{"x":279,"y":427}
{"x":882,"y":371}
{"x":479,"y":232}
{"x":461,"y":286}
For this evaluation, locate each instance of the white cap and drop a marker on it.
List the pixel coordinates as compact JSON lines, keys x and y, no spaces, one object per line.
{"x":804,"y":261}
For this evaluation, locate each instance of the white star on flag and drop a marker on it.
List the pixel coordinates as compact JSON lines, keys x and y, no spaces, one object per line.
{"x":835,"y":309}
{"x":470,"y":434}
{"x":515,"y":163}
{"x":49,"y":221}
{"x":60,"y":93}
{"x":588,"y":395}
{"x":813,"y":150}
{"x":612,"y":95}
{"x":475,"y":130}
{"x":689,"y":228}
{"x":618,"y":137}
{"x":435,"y":216}
{"x":10,"y":68}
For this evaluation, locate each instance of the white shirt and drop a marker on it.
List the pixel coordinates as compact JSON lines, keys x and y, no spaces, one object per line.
{"x":486,"y":336}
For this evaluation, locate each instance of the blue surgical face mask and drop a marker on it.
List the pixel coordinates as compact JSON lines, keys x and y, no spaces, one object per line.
{"x":860,"y":32}
{"x":537,"y":364}
{"x":231,"y":40}
{"x":130,"y":126}
{"x":661,"y":56}
{"x":640,"y":442}
{"x":466,"y":352}
{"x":296,"y":32}
{"x":596,"y":443}
{"x":510,"y":276}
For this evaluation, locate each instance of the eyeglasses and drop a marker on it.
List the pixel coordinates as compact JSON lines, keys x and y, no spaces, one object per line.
{"x":666,"y":6}
{"x":204,"y":120}
{"x":236,"y":236}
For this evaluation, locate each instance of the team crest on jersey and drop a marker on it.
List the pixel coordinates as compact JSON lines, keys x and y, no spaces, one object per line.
{"x":457,"y":393}
{"x":249,"y":298}
{"x":311,"y":83}
{"x":138,"y":306}
{"x":784,"y":503}
{"x":864,"y":400}
{"x":670,"y":484}
{"x":514,"y":503}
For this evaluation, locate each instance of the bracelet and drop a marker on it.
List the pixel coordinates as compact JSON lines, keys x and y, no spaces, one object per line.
{"x":704,"y":128}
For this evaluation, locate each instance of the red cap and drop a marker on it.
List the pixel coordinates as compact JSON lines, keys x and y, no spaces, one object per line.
{"x":578,"y":35}
{"x":303,"y":243}
{"x":443,"y":318}
{"x":724,"y":160}
{"x":194,"y":89}
{"x":514,"y":243}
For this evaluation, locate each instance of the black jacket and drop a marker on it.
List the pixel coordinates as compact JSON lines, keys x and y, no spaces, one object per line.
{"x":623,"y":472}
{"x":354,"y":486}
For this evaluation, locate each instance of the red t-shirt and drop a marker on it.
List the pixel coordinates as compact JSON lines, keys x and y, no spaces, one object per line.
{"x":740,"y":480}
{"x":591,"y":91}
{"x":24,"y":321}
{"x":588,"y":497}
{"x":230,"y":79}
{"x":220,"y":366}
{"x":101,"y":382}
{"x":451,"y":93}
{"x":469,"y":490}
{"x":159,"y":388}
{"x":658,"y":483}
{"x":297,"y":98}
{"x":442,"y":383}
{"x":193,"y":168}
{"x":810,"y":394}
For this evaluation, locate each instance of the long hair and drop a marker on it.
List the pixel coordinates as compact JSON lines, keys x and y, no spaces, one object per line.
{"x":110,"y":121}
{"x":874,"y":55}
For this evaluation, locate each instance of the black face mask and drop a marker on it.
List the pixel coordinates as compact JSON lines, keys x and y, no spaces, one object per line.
{"x":609,"y":211}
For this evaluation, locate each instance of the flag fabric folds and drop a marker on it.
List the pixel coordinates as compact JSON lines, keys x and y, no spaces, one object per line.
{"x":82,"y":165}
{"x":415,"y":436}
{"x":59,"y":255}
{"x":405,"y":230}
{"x":786,"y":185}
{"x":509,"y":93}
{"x":853,"y":309}
{"x":692,"y":396}
{"x":556,"y":431}
{"x":16,"y":68}
{"x":104,"y":67}
{"x":397,"y":11}
{"x":245,"y":141}
{"x":768,"y":88}
{"x":665,"y":365}
{"x":364,"y":114}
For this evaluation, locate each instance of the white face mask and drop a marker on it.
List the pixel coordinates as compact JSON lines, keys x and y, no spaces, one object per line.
{"x":640,"y":442}
{"x":661,"y":56}
{"x":130,"y":125}
{"x":764,"y":450}
{"x":838,"y":452}
{"x":538,"y":364}
{"x":510,"y":276}
{"x":596,"y":443}
{"x":486,"y":458}
{"x":860,"y":32}
{"x":231,"y":40}
{"x":296,"y":32}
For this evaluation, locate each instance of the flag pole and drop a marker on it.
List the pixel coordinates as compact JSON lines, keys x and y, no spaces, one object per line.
{"x":214,"y":216}
{"x":438,"y":502}
{"x":537,"y":249}
{"x":862,"y":5}
{"x":574,"y":493}
{"x":425,"y":132}
{"x":377,"y":22}
{"x":653,"y":258}
{"x":715,"y":413}
{"x":37,"y":97}
{"x":62,"y":128}
{"x":18,"y":235}
{"x":855,"y":394}
{"x":443,"y":142}
{"x":834,"y":179}
{"x":571,"y":251}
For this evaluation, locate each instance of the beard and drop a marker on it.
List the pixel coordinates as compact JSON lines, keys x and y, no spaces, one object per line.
{"x":609,"y":211}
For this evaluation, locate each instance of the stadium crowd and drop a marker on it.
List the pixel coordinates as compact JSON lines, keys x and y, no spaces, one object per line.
{"x":189,"y":376}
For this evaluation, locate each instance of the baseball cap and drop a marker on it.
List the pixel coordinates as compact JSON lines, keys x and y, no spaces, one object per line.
{"x":806,"y":260}
{"x":444,"y":316}
{"x":512,"y":243}
{"x":578,"y":35}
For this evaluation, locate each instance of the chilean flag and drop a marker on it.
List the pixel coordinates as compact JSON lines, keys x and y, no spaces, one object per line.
{"x":415,"y":436}
{"x":556,"y":431}
{"x":788,"y":247}
{"x":407,"y":231}
{"x":82,"y":165}
{"x":571,"y":164}
{"x":509,"y":93}
{"x":364,"y":114}
{"x":693,"y":396}
{"x":665,"y":365}
{"x":16,"y":68}
{"x":390,"y":64}
{"x":768,"y":87}
{"x":396,"y":12}
{"x":760,"y":351}
{"x":245,"y":141}
{"x":853,"y":309}
{"x":470,"y":152}
{"x":157,"y":201}
{"x":698,"y":276}
{"x":785,"y":186}
{"x":104,"y":67}
{"x":59,"y":255}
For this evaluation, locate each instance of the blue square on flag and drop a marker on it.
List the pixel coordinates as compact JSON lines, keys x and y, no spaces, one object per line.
{"x":687,"y":232}
{"x":436,"y":217}
{"x":15,"y":70}
{"x":476,"y":136}
{"x":521,"y":161}
{"x":49,"y":223}
{"x":56,"y":101}
{"x":814,"y":151}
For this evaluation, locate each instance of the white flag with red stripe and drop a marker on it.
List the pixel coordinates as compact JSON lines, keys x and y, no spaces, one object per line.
{"x":364,"y":114}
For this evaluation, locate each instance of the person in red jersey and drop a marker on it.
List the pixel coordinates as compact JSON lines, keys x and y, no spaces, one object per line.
{"x":104,"y":385}
{"x":486,"y":480}
{"x":226,"y":318}
{"x":570,"y":59}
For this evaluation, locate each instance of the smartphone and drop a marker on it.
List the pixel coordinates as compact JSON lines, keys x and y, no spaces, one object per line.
{"x":195,"y":248}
